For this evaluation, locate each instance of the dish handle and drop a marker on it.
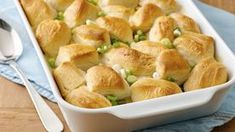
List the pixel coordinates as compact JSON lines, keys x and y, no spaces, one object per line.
{"x":165,"y":104}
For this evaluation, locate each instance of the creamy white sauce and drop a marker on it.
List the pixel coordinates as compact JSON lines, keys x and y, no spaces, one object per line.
{"x":156,"y":75}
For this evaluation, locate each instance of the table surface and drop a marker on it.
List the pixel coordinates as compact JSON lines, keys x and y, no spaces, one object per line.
{"x":17,"y":112}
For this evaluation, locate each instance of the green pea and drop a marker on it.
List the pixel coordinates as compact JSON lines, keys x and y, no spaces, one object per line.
{"x":171,"y":79}
{"x":114,"y":40}
{"x":100,"y":50}
{"x":136,"y":38}
{"x":51,"y":62}
{"x":167,"y":43}
{"x":60,"y":16}
{"x":116,"y":45}
{"x":105,"y":48}
{"x":101,"y":14}
{"x":142,"y":37}
{"x":112,"y":97}
{"x":131,"y":79}
{"x":128,"y":72}
{"x":114,"y":103}
{"x":94,"y":2}
{"x":139,"y":32}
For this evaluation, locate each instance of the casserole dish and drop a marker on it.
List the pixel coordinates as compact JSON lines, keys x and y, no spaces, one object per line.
{"x":157,"y":111}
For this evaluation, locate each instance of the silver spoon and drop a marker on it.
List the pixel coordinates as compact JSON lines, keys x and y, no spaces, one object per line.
{"x":10,"y":50}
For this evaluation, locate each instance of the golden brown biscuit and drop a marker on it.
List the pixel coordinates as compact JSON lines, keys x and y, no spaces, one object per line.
{"x":144,"y":17}
{"x":118,"y":11}
{"x":172,"y":66}
{"x":117,"y":27}
{"x":136,"y":62}
{"x":126,"y":3}
{"x":206,"y":73}
{"x":163,"y":28}
{"x":79,"y":11}
{"x":91,"y":35}
{"x":167,"y":6}
{"x":106,"y":81}
{"x":59,"y":5}
{"x":148,"y":88}
{"x":81,"y":97}
{"x":35,"y":17}
{"x":149,"y":47}
{"x":185,"y":23}
{"x":195,"y":47}
{"x":51,"y":35}
{"x":83,"y":56}
{"x":68,"y":82}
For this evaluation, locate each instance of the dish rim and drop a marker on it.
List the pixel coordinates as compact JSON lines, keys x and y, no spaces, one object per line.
{"x":64,"y":103}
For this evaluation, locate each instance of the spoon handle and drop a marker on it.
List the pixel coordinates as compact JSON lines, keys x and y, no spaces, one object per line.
{"x":48,"y":118}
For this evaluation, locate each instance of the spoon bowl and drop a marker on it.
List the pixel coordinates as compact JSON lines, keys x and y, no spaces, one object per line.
{"x":10,"y":43}
{"x":10,"y":50}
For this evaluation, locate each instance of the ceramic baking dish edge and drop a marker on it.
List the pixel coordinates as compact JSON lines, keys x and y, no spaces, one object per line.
{"x":150,"y":112}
